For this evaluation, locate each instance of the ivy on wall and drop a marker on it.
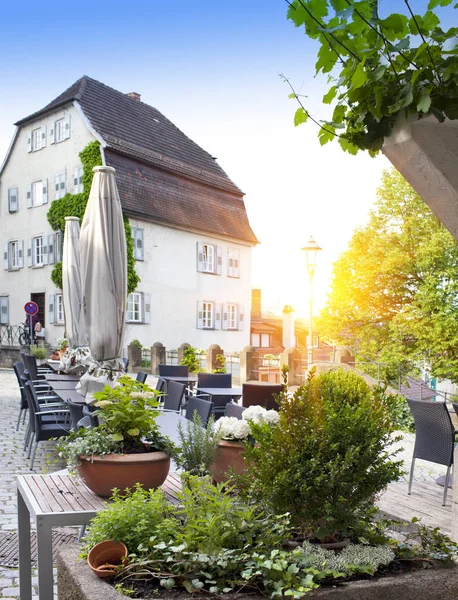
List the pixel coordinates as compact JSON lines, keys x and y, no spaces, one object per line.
{"x":74,"y":205}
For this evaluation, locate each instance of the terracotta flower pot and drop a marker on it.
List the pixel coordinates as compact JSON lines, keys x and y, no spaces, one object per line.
{"x":103,"y":558}
{"x":122,"y":471}
{"x":229,"y":456}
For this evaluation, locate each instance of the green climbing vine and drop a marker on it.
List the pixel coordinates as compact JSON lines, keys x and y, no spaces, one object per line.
{"x":74,"y":205}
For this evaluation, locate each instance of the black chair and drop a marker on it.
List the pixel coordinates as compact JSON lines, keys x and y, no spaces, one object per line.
{"x":216,"y":380}
{"x":19,"y":371}
{"x":174,"y":397}
{"x":260,"y":394}
{"x":90,"y":411}
{"x":126,"y":364}
{"x":30,"y":363}
{"x":141,"y":376}
{"x":203,"y":408}
{"x":50,"y":420}
{"x":160,"y":385}
{"x":233,"y":410}
{"x":434,"y":437}
{"x":173,"y":371}
{"x":76,"y":412}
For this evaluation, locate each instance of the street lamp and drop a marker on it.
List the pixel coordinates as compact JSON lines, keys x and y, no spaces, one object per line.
{"x":311,"y":250}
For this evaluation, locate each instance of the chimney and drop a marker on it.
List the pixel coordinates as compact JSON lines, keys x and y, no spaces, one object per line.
{"x":134,"y":96}
{"x":289,"y":339}
{"x":256,"y":303}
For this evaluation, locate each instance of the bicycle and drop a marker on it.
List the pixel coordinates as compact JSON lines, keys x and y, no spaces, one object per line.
{"x":24,"y":335}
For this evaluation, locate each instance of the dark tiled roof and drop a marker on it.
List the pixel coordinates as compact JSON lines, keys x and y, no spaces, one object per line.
{"x":140,"y":131}
{"x":150,"y":193}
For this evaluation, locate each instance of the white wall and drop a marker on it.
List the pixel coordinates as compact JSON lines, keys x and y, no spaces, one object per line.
{"x":169,"y":273}
{"x":22,"y":169}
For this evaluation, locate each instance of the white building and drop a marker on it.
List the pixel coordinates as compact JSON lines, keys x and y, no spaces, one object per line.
{"x":191,"y":232}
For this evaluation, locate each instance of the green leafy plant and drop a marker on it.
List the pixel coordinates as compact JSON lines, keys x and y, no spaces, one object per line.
{"x":197,"y":447}
{"x":221,"y":360}
{"x":74,"y":205}
{"x":191,"y":360}
{"x":62,"y":344}
{"x":39,"y":352}
{"x":378,"y":67}
{"x":130,"y":518}
{"x":327,"y":457}
{"x":127,"y":415}
{"x":137,"y":344}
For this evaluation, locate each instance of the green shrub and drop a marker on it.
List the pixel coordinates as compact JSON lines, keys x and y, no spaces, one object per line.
{"x":131,"y":518}
{"x":328,"y":456}
{"x":39,"y":352}
{"x":401,"y":413}
{"x":191,"y":360}
{"x":137,"y":344}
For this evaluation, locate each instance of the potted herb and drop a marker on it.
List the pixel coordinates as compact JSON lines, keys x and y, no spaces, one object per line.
{"x":62,"y":345}
{"x":234,"y":433}
{"x":198,"y":446}
{"x":127,"y":447}
{"x":39,"y":352}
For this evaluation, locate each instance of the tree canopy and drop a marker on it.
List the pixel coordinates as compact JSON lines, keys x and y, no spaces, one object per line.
{"x":394,"y":295}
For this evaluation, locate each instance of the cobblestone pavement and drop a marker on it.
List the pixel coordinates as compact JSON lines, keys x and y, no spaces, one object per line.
{"x":13,"y":462}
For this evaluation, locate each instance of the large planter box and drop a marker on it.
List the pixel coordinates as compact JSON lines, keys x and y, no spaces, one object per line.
{"x":76,"y":581}
{"x":425,"y":152}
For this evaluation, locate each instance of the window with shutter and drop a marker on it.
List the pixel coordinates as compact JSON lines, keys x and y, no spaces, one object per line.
{"x":59,"y":316}
{"x":51,"y":308}
{"x":60,"y":186}
{"x":13,"y":255}
{"x":51,"y":249}
{"x":233,"y":260}
{"x":37,"y":251}
{"x":134,"y":308}
{"x":58,"y":245}
{"x":67,"y":127}
{"x":13,"y":200}
{"x":4,"y":310}
{"x":59,"y":130}
{"x":37,"y":193}
{"x":36,"y":139}
{"x":231,"y":316}
{"x":208,"y":315}
{"x":147,"y":307}
{"x":6,"y":264}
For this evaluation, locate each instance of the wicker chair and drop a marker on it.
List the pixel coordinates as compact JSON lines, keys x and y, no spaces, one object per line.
{"x":19,"y":371}
{"x":173,"y":371}
{"x":434,"y":437}
{"x":174,"y":397}
{"x":233,"y":410}
{"x":202,"y":407}
{"x":259,"y":394}
{"x":141,"y":376}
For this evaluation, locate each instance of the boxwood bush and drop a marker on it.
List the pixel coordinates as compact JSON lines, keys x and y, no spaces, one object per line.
{"x":328,"y":457}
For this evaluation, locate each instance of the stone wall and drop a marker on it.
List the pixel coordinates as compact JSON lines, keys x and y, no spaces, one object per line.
{"x":9,"y":355}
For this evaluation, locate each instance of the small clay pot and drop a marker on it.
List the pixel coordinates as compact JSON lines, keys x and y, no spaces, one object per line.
{"x":104,"y":558}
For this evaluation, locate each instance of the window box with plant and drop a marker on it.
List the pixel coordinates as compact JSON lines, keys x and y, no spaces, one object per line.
{"x":126,"y":447}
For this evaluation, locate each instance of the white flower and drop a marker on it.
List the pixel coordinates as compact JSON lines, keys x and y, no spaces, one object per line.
{"x":272,"y":417}
{"x":231,"y":428}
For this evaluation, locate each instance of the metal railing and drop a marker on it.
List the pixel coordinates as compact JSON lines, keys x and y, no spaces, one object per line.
{"x":14,"y":335}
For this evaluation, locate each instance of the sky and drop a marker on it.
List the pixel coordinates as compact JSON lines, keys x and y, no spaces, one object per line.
{"x":213,"y":68}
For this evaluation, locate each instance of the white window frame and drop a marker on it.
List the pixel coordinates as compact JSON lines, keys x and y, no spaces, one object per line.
{"x":232,"y":315}
{"x":59,"y":314}
{"x":134,"y":299}
{"x":59,"y":130}
{"x":13,"y":254}
{"x":209,"y":253}
{"x":37,"y":185}
{"x":37,"y":251}
{"x":60,"y":185}
{"x":256,"y":340}
{"x":208,"y":315}
{"x":37,"y":139}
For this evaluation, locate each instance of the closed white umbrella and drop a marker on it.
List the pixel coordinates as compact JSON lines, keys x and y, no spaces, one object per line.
{"x":77,"y":354}
{"x":104,"y":278}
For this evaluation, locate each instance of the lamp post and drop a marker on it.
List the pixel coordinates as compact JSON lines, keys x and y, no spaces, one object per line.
{"x":311,"y":250}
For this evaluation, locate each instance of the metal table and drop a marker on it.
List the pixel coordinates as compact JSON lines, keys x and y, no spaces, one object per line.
{"x":168,"y":424}
{"x":190,"y":380}
{"x":72,"y":395}
{"x":54,"y":365}
{"x":232,"y":392}
{"x":57,"y":500}
{"x":63,"y":385}
{"x":61,"y":377}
